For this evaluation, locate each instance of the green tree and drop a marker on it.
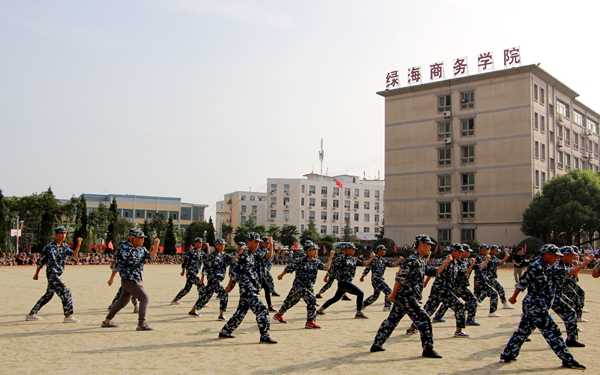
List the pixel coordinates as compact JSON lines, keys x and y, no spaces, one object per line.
{"x":568,"y":204}
{"x":81,"y":222}
{"x":275,"y":232}
{"x":210,"y":233}
{"x":113,"y":216}
{"x":348,"y":235}
{"x":170,"y":242}
{"x":4,"y":224}
{"x":327,"y":241}
{"x":288,"y":235}
{"x":158,"y":225}
{"x":226,"y":231}
{"x":146,"y":230}
{"x":121,"y":229}
{"x":98,"y":222}
{"x":50,"y":216}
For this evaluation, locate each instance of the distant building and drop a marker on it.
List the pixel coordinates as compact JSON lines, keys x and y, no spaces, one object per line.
{"x":237,"y":207}
{"x":138,"y":208}
{"x":464,"y":157}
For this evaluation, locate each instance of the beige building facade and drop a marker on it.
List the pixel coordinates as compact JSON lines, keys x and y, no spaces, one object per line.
{"x":237,"y":207}
{"x":464,"y":157}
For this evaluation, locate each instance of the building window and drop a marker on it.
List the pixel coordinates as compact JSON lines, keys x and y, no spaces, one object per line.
{"x":536,"y":121}
{"x":302,"y":214}
{"x":543,"y":152}
{"x":242,"y":219}
{"x":445,"y":211}
{"x":336,"y":203}
{"x":467,"y":99}
{"x":377,"y":218}
{"x":347,"y":204}
{"x":445,"y":184}
{"x":273,"y":201}
{"x":346,"y":216}
{"x":562,"y":108}
{"x":551,"y":164}
{"x":542,"y":96}
{"x":323,"y":229}
{"x":323,"y":215}
{"x":445,"y":156}
{"x":577,"y":118}
{"x":444,"y":237}
{"x":243,"y":197}
{"x":356,"y":217}
{"x":273,"y":188}
{"x":367,"y":205}
{"x":537,"y":179}
{"x":346,"y":192}
{"x":551,"y":136}
{"x":367,"y":193}
{"x":286,"y":201}
{"x":575,"y":141}
{"x":567,"y":162}
{"x":286,"y":214}
{"x":366,"y":229}
{"x":324,"y":190}
{"x":376,"y":206}
{"x":467,"y":235}
{"x":550,"y":109}
{"x":336,"y":190}
{"x":243,"y":208}
{"x":575,"y":163}
{"x":444,"y":103}
{"x":254,"y":210}
{"x":303,"y":189}
{"x":286,"y":188}
{"x":592,"y":126}
{"x":543,"y":178}
{"x":301,"y":227}
{"x":356,"y":193}
{"x":335,"y":229}
{"x":355,"y":230}
{"x":444,"y":130}
{"x":312,"y":189}
{"x":536,"y":149}
{"x":542,"y":124}
{"x":559,"y":159}
{"x":559,"y":132}
{"x":335,"y":216}
{"x":311,"y":202}
{"x":367,"y":218}
{"x":311,"y":215}
{"x":323,"y":203}
{"x":467,"y":127}
{"x":273,"y":214}
{"x":467,"y":154}
{"x":535,"y":92}
{"x":468,"y":210}
{"x":595,"y":150}
{"x":376,"y":193}
{"x":467,"y":182}
{"x":302,"y":201}
{"x":356,"y":205}
{"x":567,"y":137}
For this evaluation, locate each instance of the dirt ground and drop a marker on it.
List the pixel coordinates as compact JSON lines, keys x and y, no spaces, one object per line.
{"x":182,"y":344}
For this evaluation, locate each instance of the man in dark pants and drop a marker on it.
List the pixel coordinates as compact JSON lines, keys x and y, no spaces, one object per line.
{"x":518,"y":264}
{"x":129,"y":261}
{"x":190,"y":267}
{"x":263,"y":257}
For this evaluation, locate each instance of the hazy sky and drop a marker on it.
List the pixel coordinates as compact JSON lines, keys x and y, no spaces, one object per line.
{"x":195,"y":99}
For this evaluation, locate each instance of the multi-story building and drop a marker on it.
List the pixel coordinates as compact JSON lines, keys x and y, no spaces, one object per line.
{"x":139,"y":208}
{"x":237,"y":207}
{"x":464,"y":157}
{"x":329,"y":201}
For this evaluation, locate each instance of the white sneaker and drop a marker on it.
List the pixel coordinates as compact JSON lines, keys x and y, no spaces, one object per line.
{"x":508,"y":306}
{"x":70,"y":320}
{"x":175,"y":303}
{"x":494,"y":315}
{"x":585,"y":311}
{"x":32,"y":318}
{"x":479,"y":304}
{"x":582,"y":320}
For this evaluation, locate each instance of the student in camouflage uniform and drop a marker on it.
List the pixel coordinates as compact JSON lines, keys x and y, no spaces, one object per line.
{"x":129,"y":261}
{"x":408,"y":290}
{"x":134,"y":301}
{"x":331,"y":275}
{"x":377,"y":268}
{"x":346,"y":269}
{"x":244,"y":273}
{"x":270,"y":280}
{"x":482,"y":287}
{"x":491,"y":272}
{"x":443,"y":290}
{"x":215,"y":267}
{"x":465,"y":265}
{"x":53,"y":257}
{"x":263,"y":257}
{"x":564,"y":305}
{"x":541,"y":281}
{"x":306,"y":269}
{"x":576,"y":293}
{"x":191,"y":267}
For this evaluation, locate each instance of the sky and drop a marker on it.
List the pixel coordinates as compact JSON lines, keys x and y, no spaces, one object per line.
{"x":196,"y":99}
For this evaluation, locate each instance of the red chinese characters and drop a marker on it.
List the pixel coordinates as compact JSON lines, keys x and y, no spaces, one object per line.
{"x":485,"y":62}
{"x":414,"y":75}
{"x":460,"y":67}
{"x":512,"y":57}
{"x":436,"y":71}
{"x":392,"y":80}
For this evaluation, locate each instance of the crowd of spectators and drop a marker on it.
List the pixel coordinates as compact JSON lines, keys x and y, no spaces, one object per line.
{"x":24,"y":259}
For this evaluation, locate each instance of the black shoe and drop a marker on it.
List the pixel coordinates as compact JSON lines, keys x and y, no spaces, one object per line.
{"x":272,"y":309}
{"x":226,"y":336}
{"x":268,"y":340}
{"x":275,"y":294}
{"x":320,"y":312}
{"x":527,"y":340}
{"x":573,"y":364}
{"x":574,"y":344}
{"x":375,"y":348}
{"x":430,"y":353}
{"x":346,"y":298}
{"x":506,"y":359}
{"x":318,"y":296}
{"x":193,"y":313}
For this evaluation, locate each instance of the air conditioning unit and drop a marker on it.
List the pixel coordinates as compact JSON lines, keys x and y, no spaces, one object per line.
{"x":272,"y":219}
{"x":287,"y":206}
{"x":447,"y":114}
{"x":559,"y":143}
{"x":588,"y":131}
{"x":287,"y":219}
{"x":272,"y":205}
{"x":559,"y":118}
{"x":272,"y":191}
{"x":287,"y":193}
{"x":447,"y":140}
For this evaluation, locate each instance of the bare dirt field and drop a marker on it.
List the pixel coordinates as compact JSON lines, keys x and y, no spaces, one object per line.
{"x":182,"y":344}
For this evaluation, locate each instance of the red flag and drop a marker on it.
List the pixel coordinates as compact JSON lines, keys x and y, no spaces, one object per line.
{"x":339,"y":183}
{"x":295,"y":246}
{"x":525,"y":249}
{"x":110,"y":245}
{"x":324,"y":250}
{"x":436,"y":249}
{"x":395,"y":249}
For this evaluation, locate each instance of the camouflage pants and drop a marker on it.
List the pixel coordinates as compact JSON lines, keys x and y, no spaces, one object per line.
{"x":576,"y":294}
{"x":498,"y":288}
{"x":482,"y":290}
{"x":269,"y":277}
{"x":327,"y":285}
{"x":406,"y":306}
{"x":441,"y":295}
{"x":249,"y":301}
{"x":534,"y":317}
{"x":294,"y":296}
{"x":55,"y":285}
{"x":563,"y":307}
{"x":379,"y":285}
{"x":470,"y":303}
{"x":190,"y":281}
{"x":212,"y":286}
{"x":133,"y":299}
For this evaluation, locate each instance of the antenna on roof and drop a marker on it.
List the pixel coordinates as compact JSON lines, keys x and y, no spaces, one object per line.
{"x":321,"y":157}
